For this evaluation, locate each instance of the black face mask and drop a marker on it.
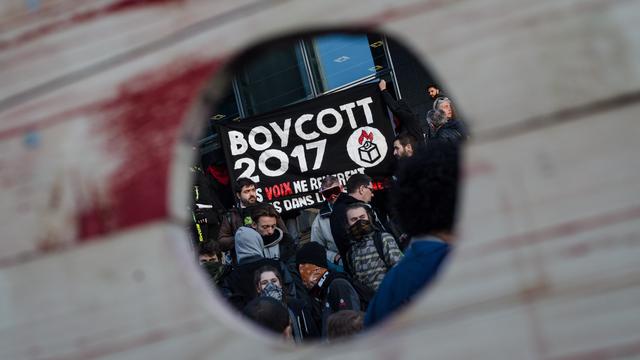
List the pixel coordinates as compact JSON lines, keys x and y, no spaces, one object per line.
{"x":268,"y":239}
{"x":360,"y":228}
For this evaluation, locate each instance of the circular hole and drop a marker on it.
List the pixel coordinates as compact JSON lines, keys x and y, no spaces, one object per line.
{"x":325,"y":182}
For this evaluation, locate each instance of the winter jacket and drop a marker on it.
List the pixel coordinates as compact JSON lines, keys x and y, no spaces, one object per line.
{"x":238,"y":286}
{"x":321,"y":232}
{"x":365,"y":261}
{"x":334,"y":292}
{"x":338,"y":222}
{"x":282,"y":246}
{"x":232,"y":221}
{"x":419,"y":266}
{"x":249,"y":244}
{"x":452,"y":131}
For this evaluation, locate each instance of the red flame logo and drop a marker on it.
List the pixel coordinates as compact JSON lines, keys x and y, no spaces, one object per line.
{"x":365,"y":135}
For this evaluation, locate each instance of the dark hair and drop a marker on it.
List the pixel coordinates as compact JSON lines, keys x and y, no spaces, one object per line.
{"x":358,"y":205}
{"x":264,"y":269}
{"x":269,"y":313}
{"x":242,"y":182}
{"x":209,"y":247}
{"x":425,"y":194}
{"x":357,"y":180}
{"x":433,"y":86}
{"x":261,"y":210}
{"x":344,"y":323}
{"x":406,"y":139}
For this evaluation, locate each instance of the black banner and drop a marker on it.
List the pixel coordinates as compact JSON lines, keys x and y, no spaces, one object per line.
{"x":287,"y":152}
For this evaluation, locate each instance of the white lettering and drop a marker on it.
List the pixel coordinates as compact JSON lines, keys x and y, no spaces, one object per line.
{"x":367,"y":110}
{"x":273,"y":153}
{"x":349,"y":109}
{"x":237,"y":143}
{"x":326,"y":129}
{"x":283,"y":133}
{"x":268,"y":138}
{"x":298,"y":127}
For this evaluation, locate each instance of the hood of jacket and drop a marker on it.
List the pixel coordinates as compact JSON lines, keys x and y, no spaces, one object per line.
{"x":248,"y":243}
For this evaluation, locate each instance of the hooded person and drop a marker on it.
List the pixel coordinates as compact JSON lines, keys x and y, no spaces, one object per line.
{"x":268,"y":282}
{"x":329,"y":291}
{"x":276,"y":243}
{"x":238,"y":286}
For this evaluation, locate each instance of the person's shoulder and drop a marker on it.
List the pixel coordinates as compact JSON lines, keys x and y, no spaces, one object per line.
{"x":387,"y":236}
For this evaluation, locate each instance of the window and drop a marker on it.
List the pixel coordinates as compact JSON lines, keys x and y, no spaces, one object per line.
{"x":278,"y":79}
{"x":337,"y":60}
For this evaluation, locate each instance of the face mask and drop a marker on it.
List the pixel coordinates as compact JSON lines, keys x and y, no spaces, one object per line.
{"x":269,"y":239}
{"x":360,"y":228}
{"x":272,"y":290}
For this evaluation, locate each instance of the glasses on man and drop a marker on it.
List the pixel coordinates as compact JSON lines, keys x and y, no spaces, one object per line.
{"x":328,"y":193}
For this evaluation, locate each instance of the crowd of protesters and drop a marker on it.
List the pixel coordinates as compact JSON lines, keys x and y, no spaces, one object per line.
{"x":361,"y":264}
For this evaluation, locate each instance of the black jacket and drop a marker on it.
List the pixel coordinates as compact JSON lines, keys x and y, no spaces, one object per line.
{"x":409,"y":121}
{"x":452,"y":131}
{"x":238,"y":286}
{"x":334,"y":292}
{"x":338,"y":221}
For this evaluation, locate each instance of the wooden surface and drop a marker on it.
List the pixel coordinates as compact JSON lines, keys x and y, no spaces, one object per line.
{"x":98,"y":100}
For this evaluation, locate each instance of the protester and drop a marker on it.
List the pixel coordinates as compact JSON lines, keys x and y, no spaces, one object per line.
{"x":359,"y":189}
{"x":453,"y":129}
{"x":330,"y":188}
{"x":245,"y":191}
{"x":404,"y":145}
{"x":433,"y":91}
{"x":432,"y":178}
{"x":330,"y":291}
{"x":270,"y":314}
{"x":268,"y":282}
{"x":408,"y":121}
{"x":276,"y":243}
{"x":344,"y":323}
{"x":238,"y":286}
{"x":209,"y":251}
{"x":372,"y":252}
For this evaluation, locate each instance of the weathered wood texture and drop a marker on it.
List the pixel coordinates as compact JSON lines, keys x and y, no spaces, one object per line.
{"x":96,"y":109}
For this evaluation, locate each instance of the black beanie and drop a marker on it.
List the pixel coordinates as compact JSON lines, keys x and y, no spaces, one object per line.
{"x":312,"y":253}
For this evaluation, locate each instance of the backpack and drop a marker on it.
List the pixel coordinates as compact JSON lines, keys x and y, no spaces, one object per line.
{"x":377,"y":242}
{"x":365,"y":293}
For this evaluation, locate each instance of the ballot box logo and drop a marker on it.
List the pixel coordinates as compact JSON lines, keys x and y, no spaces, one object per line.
{"x":367,"y":146}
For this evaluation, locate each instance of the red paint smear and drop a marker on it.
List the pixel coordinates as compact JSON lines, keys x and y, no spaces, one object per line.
{"x":116,"y":7}
{"x":141,"y":126}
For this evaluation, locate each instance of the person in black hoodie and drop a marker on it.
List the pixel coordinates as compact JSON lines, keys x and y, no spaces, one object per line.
{"x":409,"y":122}
{"x":329,"y":291}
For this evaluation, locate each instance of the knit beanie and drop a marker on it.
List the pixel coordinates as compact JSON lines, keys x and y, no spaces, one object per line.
{"x":312,"y":253}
